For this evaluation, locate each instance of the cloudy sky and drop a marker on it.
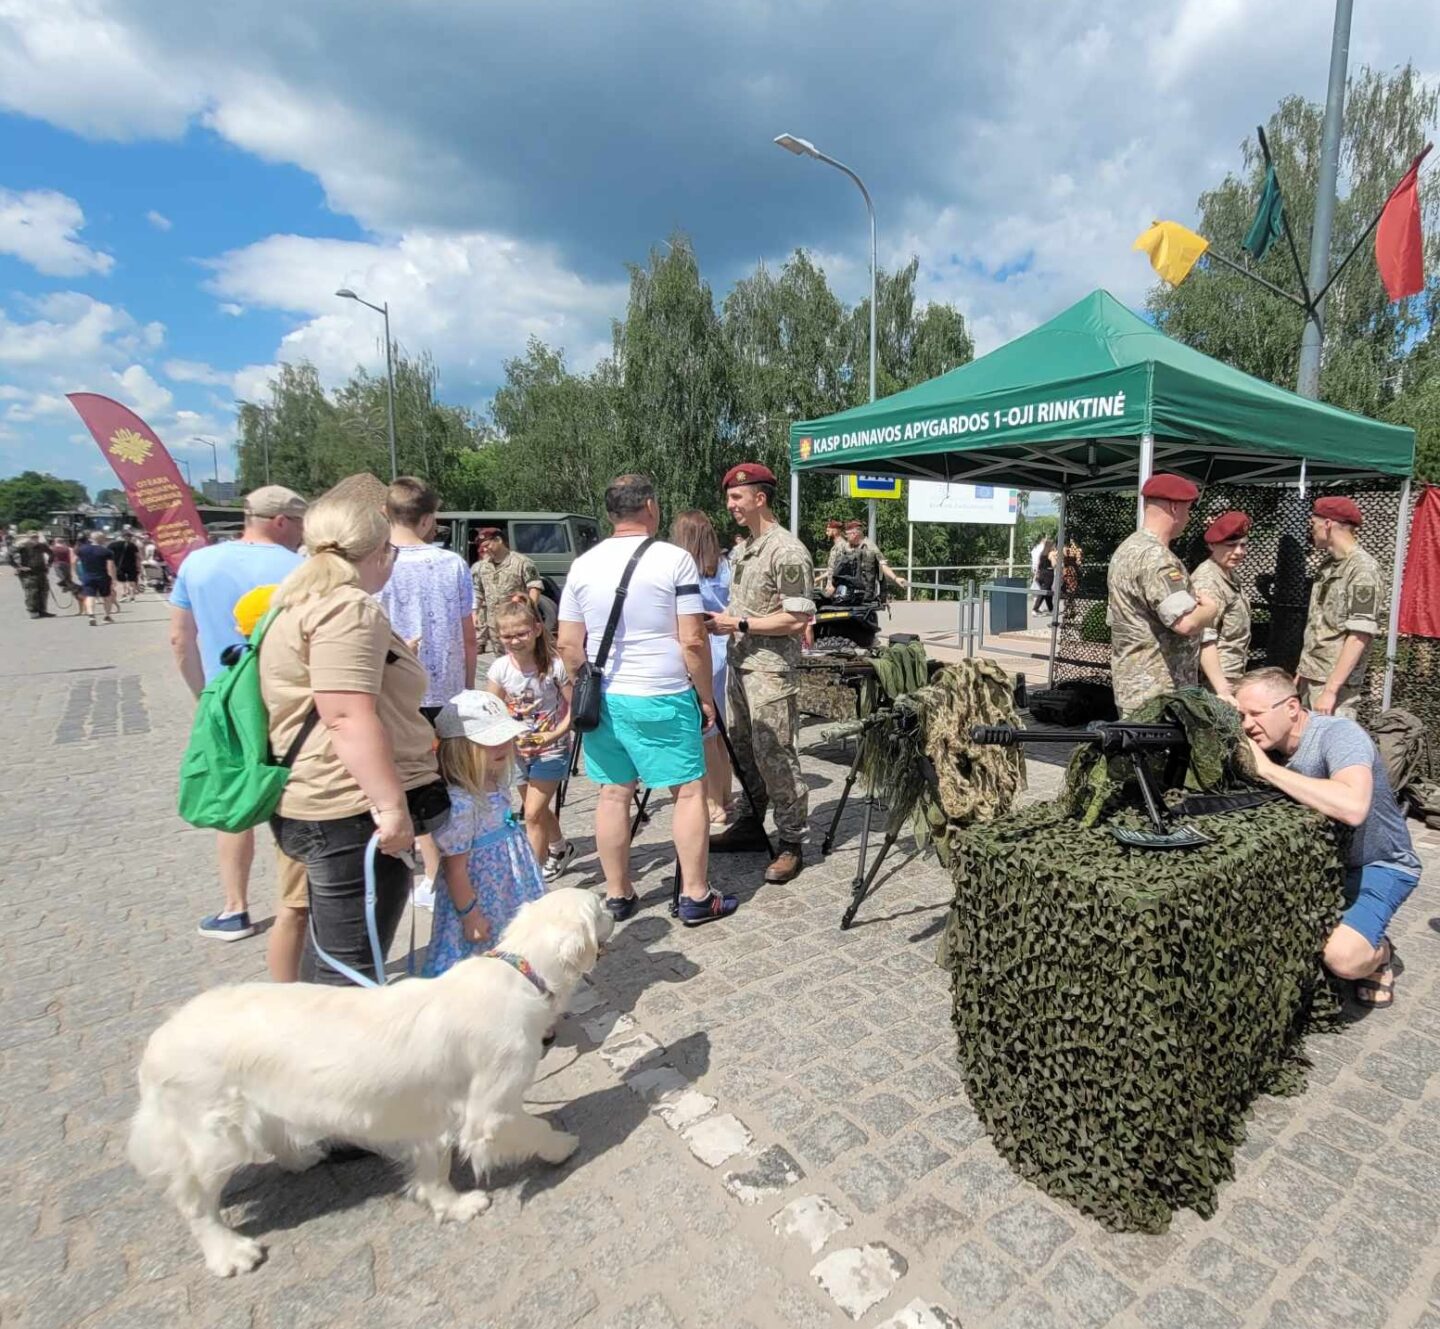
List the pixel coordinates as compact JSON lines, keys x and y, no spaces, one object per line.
{"x":184,"y":185}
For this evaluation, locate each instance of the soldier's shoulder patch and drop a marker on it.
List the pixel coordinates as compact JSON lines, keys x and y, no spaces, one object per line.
{"x":792,"y":579}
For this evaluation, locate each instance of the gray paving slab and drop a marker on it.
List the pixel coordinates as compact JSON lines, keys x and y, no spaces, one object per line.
{"x":757,"y":1101}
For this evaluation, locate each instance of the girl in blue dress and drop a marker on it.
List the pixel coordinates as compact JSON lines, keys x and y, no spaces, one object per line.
{"x":488,"y":867}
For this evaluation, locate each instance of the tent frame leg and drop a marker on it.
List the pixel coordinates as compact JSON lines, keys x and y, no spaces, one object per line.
{"x":1055,"y":617}
{"x":1397,"y":574}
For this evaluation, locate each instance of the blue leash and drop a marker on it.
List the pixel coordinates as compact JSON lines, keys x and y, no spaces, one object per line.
{"x":377,"y":952}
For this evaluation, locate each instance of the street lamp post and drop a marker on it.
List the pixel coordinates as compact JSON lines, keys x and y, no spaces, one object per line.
{"x":185,"y":462}
{"x":214,"y":454}
{"x":804,"y":148}
{"x":345,"y":293}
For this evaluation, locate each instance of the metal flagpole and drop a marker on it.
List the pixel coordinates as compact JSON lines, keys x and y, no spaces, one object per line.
{"x":910,"y":560}
{"x":1147,"y":469}
{"x":1055,"y":617}
{"x":1397,"y":574}
{"x":1308,"y":383}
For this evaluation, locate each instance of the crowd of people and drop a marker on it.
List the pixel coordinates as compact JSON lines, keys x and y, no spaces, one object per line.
{"x":101,"y":570}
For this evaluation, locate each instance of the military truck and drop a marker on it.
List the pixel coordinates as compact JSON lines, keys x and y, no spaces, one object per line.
{"x":552,"y":540}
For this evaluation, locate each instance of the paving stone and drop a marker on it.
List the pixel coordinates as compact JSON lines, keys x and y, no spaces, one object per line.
{"x":920,"y":1315}
{"x":976,"y":1183}
{"x":1274,"y":1233}
{"x":929,"y":1083}
{"x":913,"y":1156}
{"x":1031,"y":1231}
{"x":870,"y":1183}
{"x":1422,"y":1171}
{"x":827,"y":1137}
{"x":556,"y":1300}
{"x":1284,"y":1183}
{"x":926,"y":1222}
{"x":1185,"y":1308}
{"x":955,"y":1125}
{"x":650,"y":1312}
{"x":772,"y":1171}
{"x":859,"y":1277}
{"x":717,"y":1139}
{"x":1324,"y":1294}
{"x":1395,"y":1076}
{"x":170,"y":1308}
{"x":885,"y":1113}
{"x":1422,"y":1133}
{"x":1345,"y":1132}
{"x":811,"y":1219}
{"x":1232,"y":1277}
{"x":1328,"y":1161}
{"x":1369,"y":1242}
{"x":81,"y":1292}
{"x":978,"y":1278}
{"x":316,"y":1301}
{"x":1085,"y":1291}
{"x":1031,"y":1311}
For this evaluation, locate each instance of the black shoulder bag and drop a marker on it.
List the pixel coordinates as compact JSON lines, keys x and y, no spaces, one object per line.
{"x":585,"y":700}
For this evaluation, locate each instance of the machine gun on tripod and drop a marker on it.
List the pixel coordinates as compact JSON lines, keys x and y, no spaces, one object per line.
{"x":1137,"y":743}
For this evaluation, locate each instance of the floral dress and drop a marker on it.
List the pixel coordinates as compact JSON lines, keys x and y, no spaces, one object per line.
{"x":502,"y":870}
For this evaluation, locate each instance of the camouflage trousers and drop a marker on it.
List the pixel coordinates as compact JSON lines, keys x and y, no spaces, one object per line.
{"x":1347,"y":701}
{"x":763,"y":718}
{"x":33,"y":585}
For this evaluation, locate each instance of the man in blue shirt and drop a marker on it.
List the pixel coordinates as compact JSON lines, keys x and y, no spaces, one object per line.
{"x":202,"y":625}
{"x":1329,"y":763}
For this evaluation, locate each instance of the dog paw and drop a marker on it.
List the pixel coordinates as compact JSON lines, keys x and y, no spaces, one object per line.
{"x":559,"y":1147}
{"x":464,"y":1207}
{"x":236,"y":1256}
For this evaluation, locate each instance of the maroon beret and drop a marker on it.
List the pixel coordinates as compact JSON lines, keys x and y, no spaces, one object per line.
{"x":1227,"y":526}
{"x":1337,"y":508}
{"x":748,"y":473}
{"x":854,"y":524}
{"x":487,"y":532}
{"x":1165,"y":485}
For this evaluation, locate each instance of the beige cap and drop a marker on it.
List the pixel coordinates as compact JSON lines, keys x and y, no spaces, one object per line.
{"x":275,"y":501}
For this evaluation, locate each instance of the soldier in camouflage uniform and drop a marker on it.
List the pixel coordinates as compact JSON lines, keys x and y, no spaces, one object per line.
{"x":1155,"y":617}
{"x":499,"y":574}
{"x":31,"y":560}
{"x":1344,"y":612}
{"x":1225,"y":644}
{"x":770,"y":607}
{"x":835,"y":533}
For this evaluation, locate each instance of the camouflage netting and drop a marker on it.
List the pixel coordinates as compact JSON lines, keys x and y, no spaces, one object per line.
{"x":925,"y":767}
{"x":876,"y":677}
{"x":1118,"y":1010}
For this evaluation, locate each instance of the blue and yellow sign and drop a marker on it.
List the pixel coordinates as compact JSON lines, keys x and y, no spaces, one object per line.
{"x":872,"y":486}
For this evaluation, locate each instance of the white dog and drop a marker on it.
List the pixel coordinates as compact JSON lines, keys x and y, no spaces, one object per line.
{"x":267,"y":1071}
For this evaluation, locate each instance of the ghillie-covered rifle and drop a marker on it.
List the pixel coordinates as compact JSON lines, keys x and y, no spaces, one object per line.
{"x":1116,"y":738}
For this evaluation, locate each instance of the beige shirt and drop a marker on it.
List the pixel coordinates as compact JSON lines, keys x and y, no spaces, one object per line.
{"x":1230,"y":633}
{"x":341,"y":643}
{"x":1346,"y":597}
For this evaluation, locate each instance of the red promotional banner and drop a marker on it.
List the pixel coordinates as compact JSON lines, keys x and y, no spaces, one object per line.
{"x":158,"y":496}
{"x":1420,"y":589}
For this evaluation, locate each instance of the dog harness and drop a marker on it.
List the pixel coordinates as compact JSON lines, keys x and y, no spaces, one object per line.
{"x":523,"y":966}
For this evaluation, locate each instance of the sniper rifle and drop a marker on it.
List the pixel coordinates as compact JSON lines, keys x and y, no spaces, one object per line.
{"x":1116,"y":738}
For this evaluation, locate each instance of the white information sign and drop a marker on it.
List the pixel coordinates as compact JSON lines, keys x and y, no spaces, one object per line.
{"x":934,"y":500}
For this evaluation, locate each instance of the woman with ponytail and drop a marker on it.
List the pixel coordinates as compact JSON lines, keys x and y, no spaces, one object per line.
{"x":367,"y":765}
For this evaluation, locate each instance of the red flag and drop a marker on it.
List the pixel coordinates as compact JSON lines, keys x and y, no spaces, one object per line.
{"x":1420,"y":588}
{"x":1398,"y":242}
{"x":158,"y":497}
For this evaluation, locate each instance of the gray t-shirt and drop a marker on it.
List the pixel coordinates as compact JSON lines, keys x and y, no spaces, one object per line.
{"x":1331,"y":743}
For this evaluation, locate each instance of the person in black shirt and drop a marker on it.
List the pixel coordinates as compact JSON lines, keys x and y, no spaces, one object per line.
{"x":126,"y":553}
{"x":97,"y":573}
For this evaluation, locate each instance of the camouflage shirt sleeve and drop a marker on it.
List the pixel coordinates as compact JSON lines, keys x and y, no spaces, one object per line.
{"x":1166,"y":587}
{"x":1361,"y":606}
{"x":532,"y":577}
{"x":795,"y":580}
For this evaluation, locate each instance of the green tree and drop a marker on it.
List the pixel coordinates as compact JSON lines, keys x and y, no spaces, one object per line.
{"x":1377,"y":353}
{"x":33,"y":496}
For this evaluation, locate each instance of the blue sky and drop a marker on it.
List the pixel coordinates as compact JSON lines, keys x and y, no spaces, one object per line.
{"x":184,"y":186}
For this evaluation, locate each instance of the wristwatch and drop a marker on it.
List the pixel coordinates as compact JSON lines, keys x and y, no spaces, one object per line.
{"x":743,"y":625}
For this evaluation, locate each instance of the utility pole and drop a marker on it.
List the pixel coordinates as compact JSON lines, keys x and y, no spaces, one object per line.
{"x":1308,"y":384}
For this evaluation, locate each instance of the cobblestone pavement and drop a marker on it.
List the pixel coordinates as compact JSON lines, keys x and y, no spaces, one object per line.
{"x":773,"y":1130}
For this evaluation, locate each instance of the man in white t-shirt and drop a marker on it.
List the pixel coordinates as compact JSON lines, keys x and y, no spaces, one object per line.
{"x":657,"y":694}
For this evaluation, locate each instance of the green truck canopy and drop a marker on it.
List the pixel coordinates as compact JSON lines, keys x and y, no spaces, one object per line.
{"x":1066,"y":407}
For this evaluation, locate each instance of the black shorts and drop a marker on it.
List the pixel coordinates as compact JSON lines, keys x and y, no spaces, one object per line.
{"x":430,"y":712}
{"x":97,"y":588}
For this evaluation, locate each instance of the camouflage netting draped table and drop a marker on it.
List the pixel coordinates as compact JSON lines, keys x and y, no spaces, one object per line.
{"x":1118,"y":1010}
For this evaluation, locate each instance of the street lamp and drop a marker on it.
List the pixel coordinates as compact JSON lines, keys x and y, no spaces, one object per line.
{"x":185,"y":462}
{"x":802,"y":147}
{"x":345,"y":293}
{"x":214,"y":454}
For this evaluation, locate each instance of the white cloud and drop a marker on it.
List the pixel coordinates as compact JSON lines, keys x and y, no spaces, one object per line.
{"x":193,"y":371}
{"x":158,"y":220}
{"x":141,"y":393}
{"x":41,"y":227}
{"x":233,"y":310}
{"x":471,"y":300}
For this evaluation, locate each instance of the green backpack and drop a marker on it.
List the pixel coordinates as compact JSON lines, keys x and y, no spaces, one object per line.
{"x":229,"y":779}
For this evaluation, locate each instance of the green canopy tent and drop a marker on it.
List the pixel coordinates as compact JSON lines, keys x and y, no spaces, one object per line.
{"x":1097,"y":399}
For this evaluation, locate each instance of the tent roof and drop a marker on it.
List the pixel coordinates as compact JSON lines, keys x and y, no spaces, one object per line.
{"x":1065,"y":406}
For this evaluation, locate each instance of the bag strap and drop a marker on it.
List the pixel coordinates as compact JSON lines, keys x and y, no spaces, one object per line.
{"x":621,"y":592}
{"x":312,"y":718}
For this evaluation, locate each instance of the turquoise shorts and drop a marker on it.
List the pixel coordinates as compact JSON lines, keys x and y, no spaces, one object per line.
{"x":653,"y":739}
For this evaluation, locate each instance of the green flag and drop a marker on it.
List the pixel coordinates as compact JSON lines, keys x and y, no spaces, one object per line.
{"x":1269,"y":218}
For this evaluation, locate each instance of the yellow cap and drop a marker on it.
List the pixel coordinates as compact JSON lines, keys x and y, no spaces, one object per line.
{"x":250,"y":608}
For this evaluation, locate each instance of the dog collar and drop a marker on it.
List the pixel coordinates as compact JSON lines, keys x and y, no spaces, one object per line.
{"x":523,"y":966}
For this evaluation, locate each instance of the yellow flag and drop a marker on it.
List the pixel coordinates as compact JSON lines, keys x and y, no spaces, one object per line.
{"x":1173,"y":249}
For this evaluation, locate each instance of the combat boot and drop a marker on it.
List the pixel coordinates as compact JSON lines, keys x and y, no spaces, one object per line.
{"x":787,"y":864}
{"x":743,"y":837}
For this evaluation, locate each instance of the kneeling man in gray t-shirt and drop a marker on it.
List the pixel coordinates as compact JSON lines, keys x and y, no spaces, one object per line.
{"x":1330,"y":764}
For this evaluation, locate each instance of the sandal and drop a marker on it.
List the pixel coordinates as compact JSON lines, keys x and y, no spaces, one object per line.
{"x":1378,"y":990}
